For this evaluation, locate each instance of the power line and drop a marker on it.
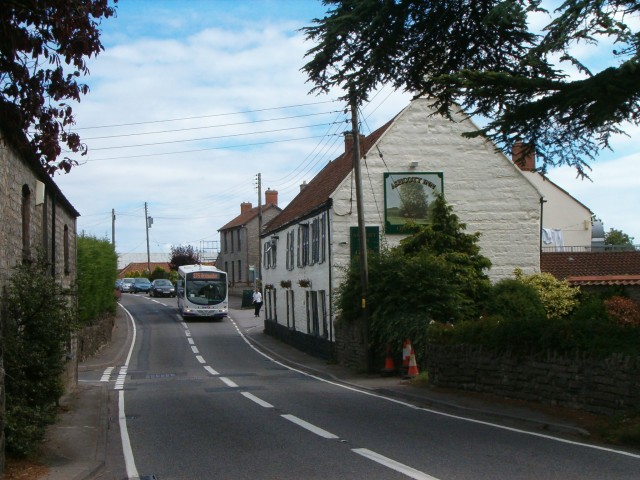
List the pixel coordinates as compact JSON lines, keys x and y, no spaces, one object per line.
{"x":208,"y":126}
{"x":212,"y":138}
{"x":206,"y":116}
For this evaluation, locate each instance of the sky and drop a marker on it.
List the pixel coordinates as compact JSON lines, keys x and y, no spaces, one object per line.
{"x":191,"y":101}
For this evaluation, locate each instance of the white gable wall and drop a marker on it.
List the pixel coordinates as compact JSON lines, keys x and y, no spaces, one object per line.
{"x":485,"y":189}
{"x":563,"y":212}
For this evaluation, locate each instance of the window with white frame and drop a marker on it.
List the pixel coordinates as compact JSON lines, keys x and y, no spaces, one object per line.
{"x":290,"y":249}
{"x":323,"y":238}
{"x":303,"y":244}
{"x":315,"y":241}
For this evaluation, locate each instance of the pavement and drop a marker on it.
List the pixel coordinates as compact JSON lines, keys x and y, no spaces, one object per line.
{"x":76,"y":446}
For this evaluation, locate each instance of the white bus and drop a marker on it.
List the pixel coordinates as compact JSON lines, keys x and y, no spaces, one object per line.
{"x":202,"y":291}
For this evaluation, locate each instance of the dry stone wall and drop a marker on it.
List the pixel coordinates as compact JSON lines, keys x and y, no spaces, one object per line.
{"x":602,"y":386}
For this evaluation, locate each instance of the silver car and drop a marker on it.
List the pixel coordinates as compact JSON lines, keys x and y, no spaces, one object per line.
{"x":127,"y":285}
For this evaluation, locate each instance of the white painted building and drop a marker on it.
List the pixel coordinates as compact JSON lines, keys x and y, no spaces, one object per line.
{"x":307,"y":245}
{"x":566,"y":222}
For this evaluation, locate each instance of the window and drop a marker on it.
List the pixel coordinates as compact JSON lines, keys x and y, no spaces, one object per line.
{"x":290,"y":249}
{"x":303,"y":244}
{"x":323,"y":238}
{"x":312,"y":312}
{"x":26,"y":222}
{"x":315,"y":241}
{"x":322,"y":296}
{"x":65,"y":242}
{"x":266,"y":254}
{"x":239,"y":270}
{"x":239,"y":243}
{"x":274,"y":252}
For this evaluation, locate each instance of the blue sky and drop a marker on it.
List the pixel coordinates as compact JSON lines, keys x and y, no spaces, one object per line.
{"x":191,"y":100}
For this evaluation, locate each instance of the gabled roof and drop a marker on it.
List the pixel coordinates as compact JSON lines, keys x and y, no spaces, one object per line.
{"x":318,"y":191}
{"x":247,"y":216}
{"x":593,"y":268}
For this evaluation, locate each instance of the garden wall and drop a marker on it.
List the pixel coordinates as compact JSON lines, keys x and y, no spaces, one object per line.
{"x":603,"y":386}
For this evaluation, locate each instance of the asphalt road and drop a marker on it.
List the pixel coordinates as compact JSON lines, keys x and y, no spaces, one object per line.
{"x":194,"y":400}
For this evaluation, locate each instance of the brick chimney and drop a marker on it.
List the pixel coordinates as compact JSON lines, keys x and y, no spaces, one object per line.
{"x":271,"y":196}
{"x":348,"y":142}
{"x":245,"y":207}
{"x":524,"y":156}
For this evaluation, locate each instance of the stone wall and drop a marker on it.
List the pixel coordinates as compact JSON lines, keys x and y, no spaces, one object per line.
{"x":602,"y":386}
{"x":92,"y":338}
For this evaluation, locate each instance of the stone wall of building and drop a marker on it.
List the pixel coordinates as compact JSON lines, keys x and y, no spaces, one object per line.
{"x":27,"y":193}
{"x":602,"y":386}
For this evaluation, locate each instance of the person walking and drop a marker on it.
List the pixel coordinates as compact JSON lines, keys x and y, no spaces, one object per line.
{"x":257,"y":302}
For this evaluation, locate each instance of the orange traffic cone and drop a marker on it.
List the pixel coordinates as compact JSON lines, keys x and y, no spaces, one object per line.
{"x":389,"y":365}
{"x":413,"y":366}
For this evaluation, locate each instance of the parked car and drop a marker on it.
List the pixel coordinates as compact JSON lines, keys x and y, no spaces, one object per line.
{"x":162,"y":288}
{"x":118,"y":283}
{"x":127,"y":285}
{"x":141,"y":284}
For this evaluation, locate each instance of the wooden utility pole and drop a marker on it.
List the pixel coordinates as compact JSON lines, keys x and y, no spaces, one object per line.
{"x":259,"y":279}
{"x":148,"y":221}
{"x":113,"y":227}
{"x":362,"y":234}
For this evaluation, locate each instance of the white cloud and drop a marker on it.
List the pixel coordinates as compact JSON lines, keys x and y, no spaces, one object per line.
{"x":178,"y":63}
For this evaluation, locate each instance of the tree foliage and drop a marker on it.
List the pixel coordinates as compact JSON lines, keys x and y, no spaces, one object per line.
{"x":618,"y":237}
{"x":558,"y":297}
{"x":437,"y":273}
{"x":183,"y":255}
{"x":484,"y":56}
{"x":44,"y":46}
{"x":37,"y":325}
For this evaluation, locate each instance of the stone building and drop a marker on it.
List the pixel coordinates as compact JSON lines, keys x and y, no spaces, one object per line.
{"x":35,"y":217}
{"x":239,"y":241}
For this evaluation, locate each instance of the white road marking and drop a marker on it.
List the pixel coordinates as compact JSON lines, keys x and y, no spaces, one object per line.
{"x":436,"y":412}
{"x":195,"y":349}
{"x":392,"y":464}
{"x":130,"y":464}
{"x":190,"y":340}
{"x":210,"y":370}
{"x":308,"y":426}
{"x":229,"y":383}
{"x":107,"y":374}
{"x":122,"y":375}
{"x":200,"y":359}
{"x":257,"y":400}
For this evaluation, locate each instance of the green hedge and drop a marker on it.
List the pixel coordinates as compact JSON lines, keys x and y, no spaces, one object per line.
{"x":97,"y":271}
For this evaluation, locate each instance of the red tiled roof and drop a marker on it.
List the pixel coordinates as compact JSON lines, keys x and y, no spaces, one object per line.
{"x":593,"y":268}
{"x":141,"y":267}
{"x":247,"y":216}
{"x":317,"y":192}
{"x":605,"y":280}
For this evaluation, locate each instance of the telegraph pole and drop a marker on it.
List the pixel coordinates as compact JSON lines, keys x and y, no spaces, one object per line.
{"x":259,"y":278}
{"x":148,"y":222}
{"x":362,"y":237}
{"x":113,"y":227}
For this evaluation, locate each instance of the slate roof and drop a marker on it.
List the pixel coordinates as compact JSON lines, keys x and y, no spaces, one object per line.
{"x":593,"y":268}
{"x":318,"y":191}
{"x":247,"y":216}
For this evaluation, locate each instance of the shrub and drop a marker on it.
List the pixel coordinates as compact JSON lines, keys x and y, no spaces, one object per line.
{"x":623,"y":310}
{"x":515,"y":300}
{"x":557,"y":296}
{"x":97,"y":271}
{"x":38,"y":322}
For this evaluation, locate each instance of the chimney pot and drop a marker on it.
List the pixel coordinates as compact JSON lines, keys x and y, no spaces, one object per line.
{"x":524,"y":156}
{"x":271,"y":197}
{"x":245,"y":207}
